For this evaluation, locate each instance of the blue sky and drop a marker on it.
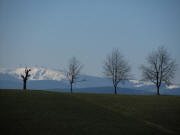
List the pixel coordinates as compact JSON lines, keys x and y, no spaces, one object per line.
{"x":48,"y":32}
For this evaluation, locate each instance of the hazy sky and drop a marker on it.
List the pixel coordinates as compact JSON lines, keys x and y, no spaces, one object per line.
{"x":48,"y":33}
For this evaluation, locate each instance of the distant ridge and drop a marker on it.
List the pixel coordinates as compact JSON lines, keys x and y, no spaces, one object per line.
{"x":53,"y":79}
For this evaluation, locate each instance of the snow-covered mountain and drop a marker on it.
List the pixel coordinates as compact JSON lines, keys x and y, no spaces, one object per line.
{"x":44,"y":78}
{"x":36,"y":73}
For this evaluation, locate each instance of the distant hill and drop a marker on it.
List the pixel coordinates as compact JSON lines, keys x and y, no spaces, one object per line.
{"x":53,"y":79}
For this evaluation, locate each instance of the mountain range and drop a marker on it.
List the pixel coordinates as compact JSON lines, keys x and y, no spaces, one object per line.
{"x":55,"y":80}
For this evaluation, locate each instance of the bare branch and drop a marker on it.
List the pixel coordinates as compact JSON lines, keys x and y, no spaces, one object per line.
{"x":116,"y":68}
{"x":74,"y":69}
{"x":161,"y":68}
{"x":25,"y":77}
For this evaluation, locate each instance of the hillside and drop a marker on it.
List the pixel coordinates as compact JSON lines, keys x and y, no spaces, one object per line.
{"x":51,"y":113}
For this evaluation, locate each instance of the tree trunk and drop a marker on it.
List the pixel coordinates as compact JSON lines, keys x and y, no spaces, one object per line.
{"x":115,"y":90}
{"x":71,"y":88}
{"x":24,"y":85}
{"x":158,"y":91}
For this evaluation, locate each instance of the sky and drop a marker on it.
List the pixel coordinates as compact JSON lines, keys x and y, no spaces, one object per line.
{"x":49,"y":32}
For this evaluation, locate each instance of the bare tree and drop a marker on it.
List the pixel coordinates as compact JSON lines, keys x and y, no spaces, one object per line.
{"x":74,"y":69}
{"x":116,"y":68}
{"x":25,"y":77}
{"x":161,"y":68}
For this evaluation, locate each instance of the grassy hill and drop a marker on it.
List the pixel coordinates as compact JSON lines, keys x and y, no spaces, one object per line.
{"x":53,"y":113}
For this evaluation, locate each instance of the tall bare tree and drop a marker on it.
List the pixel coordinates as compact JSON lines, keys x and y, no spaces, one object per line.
{"x":161,"y":68}
{"x":116,"y":68}
{"x":25,"y":77}
{"x":74,"y":69}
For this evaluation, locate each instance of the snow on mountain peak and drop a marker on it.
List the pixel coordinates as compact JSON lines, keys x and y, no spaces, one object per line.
{"x":173,"y":86}
{"x":41,"y":73}
{"x":36,"y":73}
{"x":138,"y":83}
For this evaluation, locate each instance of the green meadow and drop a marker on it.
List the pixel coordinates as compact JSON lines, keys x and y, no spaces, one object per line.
{"x":54,"y":113}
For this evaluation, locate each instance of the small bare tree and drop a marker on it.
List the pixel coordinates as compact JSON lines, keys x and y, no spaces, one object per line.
{"x":25,"y":77}
{"x":116,"y":68}
{"x":74,"y":69}
{"x":161,"y":68}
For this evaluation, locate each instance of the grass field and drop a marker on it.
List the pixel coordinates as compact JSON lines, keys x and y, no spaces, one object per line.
{"x":53,"y":113}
